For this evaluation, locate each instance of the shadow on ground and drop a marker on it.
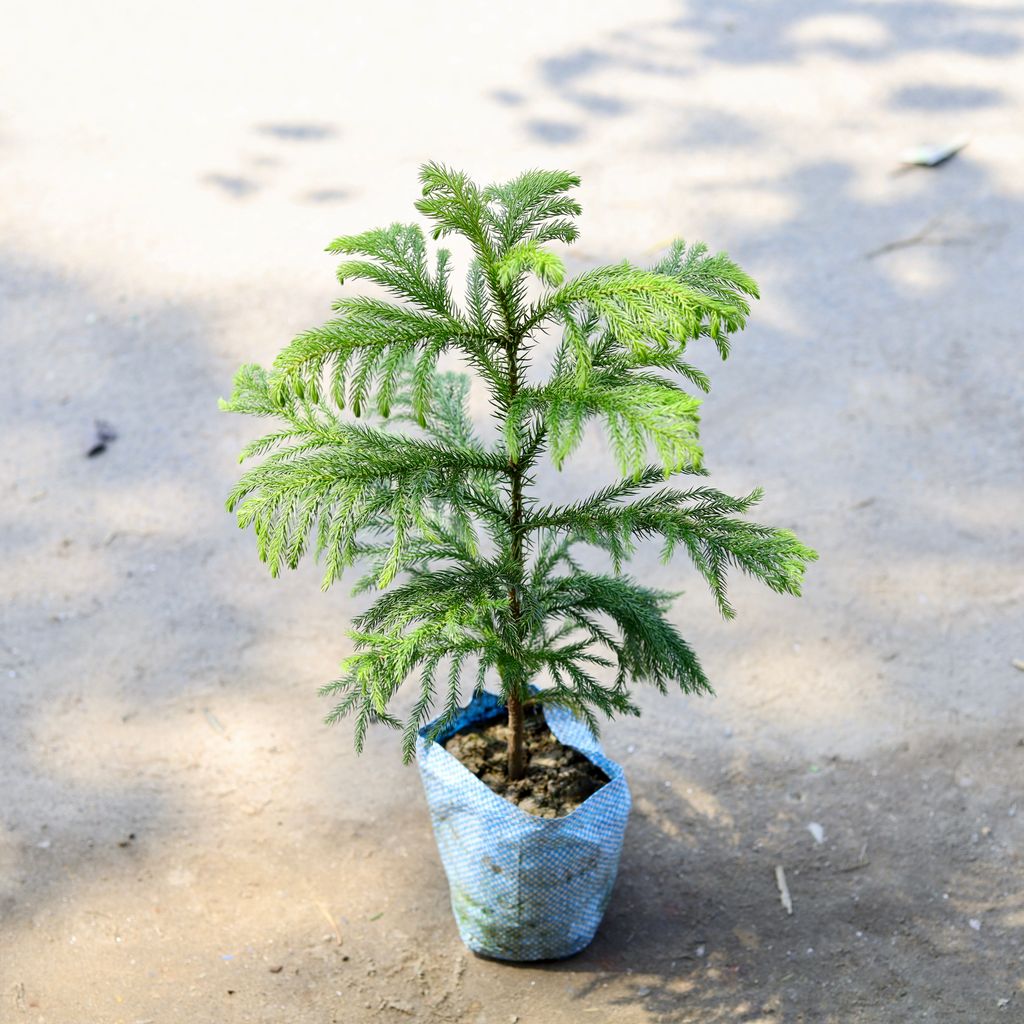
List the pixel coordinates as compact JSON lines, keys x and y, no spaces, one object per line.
{"x":753,"y":34}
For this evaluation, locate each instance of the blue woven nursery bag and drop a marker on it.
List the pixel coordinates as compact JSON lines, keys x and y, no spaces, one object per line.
{"x":523,"y":887}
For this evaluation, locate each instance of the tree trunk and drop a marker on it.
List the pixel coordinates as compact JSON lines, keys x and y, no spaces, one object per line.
{"x":516,"y":742}
{"x":516,"y":749}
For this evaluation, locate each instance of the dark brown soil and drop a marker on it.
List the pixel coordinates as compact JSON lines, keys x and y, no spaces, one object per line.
{"x":558,"y":778}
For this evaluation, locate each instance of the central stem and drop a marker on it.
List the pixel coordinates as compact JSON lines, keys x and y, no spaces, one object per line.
{"x":516,"y":736}
{"x":516,"y":739}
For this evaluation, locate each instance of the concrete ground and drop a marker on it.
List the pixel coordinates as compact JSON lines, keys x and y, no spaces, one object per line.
{"x":181,"y":839}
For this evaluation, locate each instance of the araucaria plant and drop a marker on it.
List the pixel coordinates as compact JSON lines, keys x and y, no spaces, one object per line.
{"x":477,"y":570}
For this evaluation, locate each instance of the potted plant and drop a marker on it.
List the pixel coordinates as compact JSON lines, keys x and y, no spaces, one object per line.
{"x":477,"y":572}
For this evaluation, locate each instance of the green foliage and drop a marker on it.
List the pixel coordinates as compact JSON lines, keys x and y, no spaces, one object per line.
{"x":474,"y":573}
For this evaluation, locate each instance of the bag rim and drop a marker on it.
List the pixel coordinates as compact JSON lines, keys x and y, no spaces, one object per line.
{"x":612,"y":769}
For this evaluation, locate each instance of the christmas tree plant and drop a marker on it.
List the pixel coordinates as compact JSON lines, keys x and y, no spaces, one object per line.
{"x":476,"y":570}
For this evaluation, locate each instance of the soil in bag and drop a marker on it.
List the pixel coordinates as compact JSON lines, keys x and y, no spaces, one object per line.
{"x":558,"y":778}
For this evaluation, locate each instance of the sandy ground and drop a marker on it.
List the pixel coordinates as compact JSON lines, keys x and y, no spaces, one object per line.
{"x":181,"y":839}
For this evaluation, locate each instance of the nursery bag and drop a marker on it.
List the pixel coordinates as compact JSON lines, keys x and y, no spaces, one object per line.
{"x":523,"y":887}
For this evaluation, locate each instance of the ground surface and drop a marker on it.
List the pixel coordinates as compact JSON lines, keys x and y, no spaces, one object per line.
{"x":181,"y":840}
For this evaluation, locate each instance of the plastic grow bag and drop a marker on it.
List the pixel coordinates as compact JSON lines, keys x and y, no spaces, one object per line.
{"x":523,"y":887}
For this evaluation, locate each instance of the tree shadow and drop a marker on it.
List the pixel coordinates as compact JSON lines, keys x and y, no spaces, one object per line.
{"x":264,"y":172}
{"x":297,"y":131}
{"x":588,"y":79}
{"x":697,"y":930}
{"x":234,"y":185}
{"x":126,"y":644}
{"x":933,"y":96}
{"x":858,"y":30}
{"x":326,"y":195}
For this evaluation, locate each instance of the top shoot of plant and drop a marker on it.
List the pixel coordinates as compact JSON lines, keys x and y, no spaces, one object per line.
{"x":474,"y":567}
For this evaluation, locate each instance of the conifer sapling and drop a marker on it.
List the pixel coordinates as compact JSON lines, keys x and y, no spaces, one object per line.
{"x":474,"y":568}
